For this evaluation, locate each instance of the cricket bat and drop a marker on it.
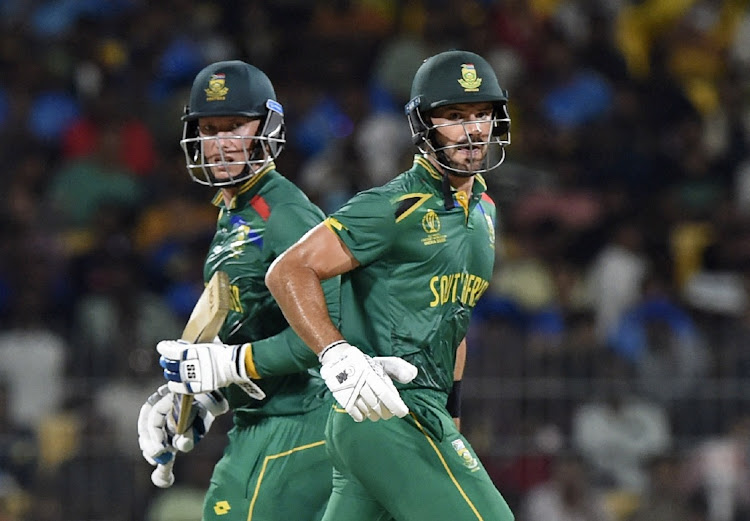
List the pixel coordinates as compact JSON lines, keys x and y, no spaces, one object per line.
{"x":204,"y":324}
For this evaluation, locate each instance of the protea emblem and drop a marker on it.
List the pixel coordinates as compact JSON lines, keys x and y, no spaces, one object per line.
{"x":216,"y":90}
{"x":469,"y":80}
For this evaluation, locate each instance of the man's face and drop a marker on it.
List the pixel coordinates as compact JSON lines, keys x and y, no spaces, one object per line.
{"x":464,"y":128}
{"x":230,"y":143}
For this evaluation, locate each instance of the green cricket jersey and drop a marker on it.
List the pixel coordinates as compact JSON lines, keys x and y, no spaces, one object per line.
{"x":268,"y":215}
{"x":426,"y":255}
{"x":422,"y":269}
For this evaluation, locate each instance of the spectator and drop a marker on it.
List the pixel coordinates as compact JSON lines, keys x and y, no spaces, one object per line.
{"x":663,"y":498}
{"x":81,"y":186}
{"x":95,"y":472}
{"x":567,"y":496}
{"x":617,"y":436}
{"x":18,"y":460}
{"x":661,"y":341}
{"x":614,"y":278}
{"x":717,"y":469}
{"x":32,"y":352}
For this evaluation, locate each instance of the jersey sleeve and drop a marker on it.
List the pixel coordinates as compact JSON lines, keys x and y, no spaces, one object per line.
{"x":283,"y":353}
{"x":366,"y":225}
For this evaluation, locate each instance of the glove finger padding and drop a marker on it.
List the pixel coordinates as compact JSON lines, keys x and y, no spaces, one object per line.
{"x":380,"y":412}
{"x":397,"y":368}
{"x":206,"y":407}
{"x":186,"y":441}
{"x":386,"y":392}
{"x":213,"y":403}
{"x":360,"y":384}
{"x":368,"y":397}
{"x":153,"y":438}
{"x":157,"y":423}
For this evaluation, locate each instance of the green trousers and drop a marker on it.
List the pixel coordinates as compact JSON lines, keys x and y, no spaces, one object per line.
{"x":398,"y":470}
{"x":277,"y":469}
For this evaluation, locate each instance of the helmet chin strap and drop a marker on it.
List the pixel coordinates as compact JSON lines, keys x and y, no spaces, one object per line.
{"x":443,"y":160}
{"x":448,"y":201}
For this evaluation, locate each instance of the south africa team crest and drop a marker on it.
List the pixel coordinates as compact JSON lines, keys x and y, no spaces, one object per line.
{"x":469,"y":80}
{"x":217,"y":90}
{"x":469,"y":460}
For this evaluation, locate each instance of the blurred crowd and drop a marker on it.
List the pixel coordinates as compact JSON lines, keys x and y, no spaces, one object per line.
{"x":609,"y":361}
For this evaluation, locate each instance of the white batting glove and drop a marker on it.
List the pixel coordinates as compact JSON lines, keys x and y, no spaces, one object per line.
{"x":157,"y":423}
{"x":362,"y":385}
{"x":200,"y":368}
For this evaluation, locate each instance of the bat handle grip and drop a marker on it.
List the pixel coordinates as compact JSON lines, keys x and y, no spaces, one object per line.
{"x":162,"y":476}
{"x":185,"y":406}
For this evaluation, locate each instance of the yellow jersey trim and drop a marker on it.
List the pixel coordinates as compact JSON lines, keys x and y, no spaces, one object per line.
{"x":270,"y":458}
{"x":334,"y":224}
{"x":461,"y":491}
{"x":252,"y":371}
{"x":447,"y":469}
{"x":417,"y":204}
{"x":425,"y":163}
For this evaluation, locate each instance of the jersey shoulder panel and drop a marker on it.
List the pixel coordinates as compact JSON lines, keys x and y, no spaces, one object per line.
{"x":366,"y":223}
{"x":291,"y":214}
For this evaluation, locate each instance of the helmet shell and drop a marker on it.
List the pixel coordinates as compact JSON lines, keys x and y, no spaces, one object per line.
{"x":450,"y":78}
{"x":455,"y":77}
{"x":229,"y":88}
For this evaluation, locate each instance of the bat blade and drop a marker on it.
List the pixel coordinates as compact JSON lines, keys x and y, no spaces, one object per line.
{"x":210,"y":311}
{"x":204,"y":324}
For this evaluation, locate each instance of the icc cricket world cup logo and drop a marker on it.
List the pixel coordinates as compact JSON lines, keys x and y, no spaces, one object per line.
{"x":431,"y":225}
{"x":431,"y":222}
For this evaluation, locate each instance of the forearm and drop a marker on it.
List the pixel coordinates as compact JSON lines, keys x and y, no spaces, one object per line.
{"x":285,"y":352}
{"x":294,"y":280}
{"x":300,"y":296}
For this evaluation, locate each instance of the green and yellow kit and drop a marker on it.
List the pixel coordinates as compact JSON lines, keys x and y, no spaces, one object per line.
{"x":275,"y":465}
{"x":426,"y":255}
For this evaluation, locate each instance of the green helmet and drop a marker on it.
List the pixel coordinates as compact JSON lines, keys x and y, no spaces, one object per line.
{"x":449,"y":78}
{"x":233,"y":88}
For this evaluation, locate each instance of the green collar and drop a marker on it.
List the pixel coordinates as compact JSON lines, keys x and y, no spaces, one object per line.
{"x":423,"y":167}
{"x":247,"y":190}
